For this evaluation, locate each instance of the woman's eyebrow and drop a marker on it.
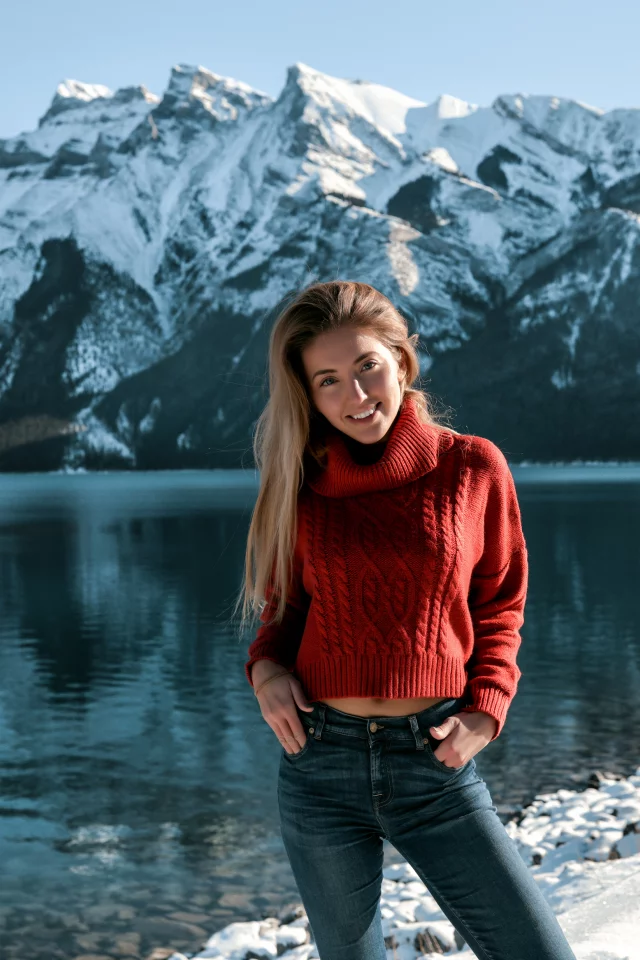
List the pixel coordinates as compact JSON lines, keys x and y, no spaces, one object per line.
{"x":357,"y":360}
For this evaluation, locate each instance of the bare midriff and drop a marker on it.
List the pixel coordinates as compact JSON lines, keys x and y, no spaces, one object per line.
{"x":379,"y":706}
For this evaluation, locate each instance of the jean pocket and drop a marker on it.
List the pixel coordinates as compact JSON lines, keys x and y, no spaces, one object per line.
{"x":308,"y":727}
{"x":431,"y":744}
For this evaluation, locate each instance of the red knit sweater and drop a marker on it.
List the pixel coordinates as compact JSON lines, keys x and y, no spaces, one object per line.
{"x":409,"y":576}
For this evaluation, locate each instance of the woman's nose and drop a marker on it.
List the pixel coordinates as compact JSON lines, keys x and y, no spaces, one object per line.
{"x":357,"y":390}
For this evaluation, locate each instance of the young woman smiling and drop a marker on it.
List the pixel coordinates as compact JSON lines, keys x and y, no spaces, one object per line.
{"x":391,"y":577}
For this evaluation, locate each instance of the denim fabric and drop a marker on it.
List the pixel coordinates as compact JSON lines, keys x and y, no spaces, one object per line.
{"x":358,"y":780}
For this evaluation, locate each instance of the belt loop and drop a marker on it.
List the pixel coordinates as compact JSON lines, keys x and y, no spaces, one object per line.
{"x":322,"y":709}
{"x":415,"y":726}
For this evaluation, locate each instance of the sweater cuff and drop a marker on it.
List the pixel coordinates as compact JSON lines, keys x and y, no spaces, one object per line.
{"x":491,"y":700}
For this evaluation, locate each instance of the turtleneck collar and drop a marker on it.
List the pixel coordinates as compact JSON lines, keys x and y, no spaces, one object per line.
{"x":411,"y":450}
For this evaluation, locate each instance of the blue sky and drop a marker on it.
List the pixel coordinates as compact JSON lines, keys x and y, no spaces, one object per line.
{"x":472,"y":50}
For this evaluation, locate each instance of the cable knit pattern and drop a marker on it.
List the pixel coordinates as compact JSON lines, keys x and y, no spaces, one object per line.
{"x":410,"y":574}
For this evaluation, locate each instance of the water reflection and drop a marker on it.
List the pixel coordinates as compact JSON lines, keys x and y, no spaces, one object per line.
{"x":137,"y":777}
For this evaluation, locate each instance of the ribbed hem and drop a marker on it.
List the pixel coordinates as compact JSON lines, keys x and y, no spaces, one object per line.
{"x":491,"y":700}
{"x":392,"y":676}
{"x":396,"y":677}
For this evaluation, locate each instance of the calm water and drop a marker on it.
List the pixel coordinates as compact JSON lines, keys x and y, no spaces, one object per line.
{"x":137,"y":777}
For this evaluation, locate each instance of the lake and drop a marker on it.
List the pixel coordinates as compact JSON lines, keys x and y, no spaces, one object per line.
{"x":137,"y":777}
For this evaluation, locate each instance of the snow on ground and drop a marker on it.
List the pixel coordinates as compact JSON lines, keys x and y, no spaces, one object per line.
{"x":583,"y":848}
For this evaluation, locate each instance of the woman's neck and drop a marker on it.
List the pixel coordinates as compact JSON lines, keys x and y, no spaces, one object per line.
{"x":367,"y":453}
{"x":364,"y":453}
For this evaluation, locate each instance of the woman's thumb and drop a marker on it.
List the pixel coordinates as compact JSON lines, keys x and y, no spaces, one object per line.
{"x":300,"y":699}
{"x":440,"y":731}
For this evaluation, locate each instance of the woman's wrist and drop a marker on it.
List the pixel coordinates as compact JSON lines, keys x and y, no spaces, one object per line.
{"x":263,"y":669}
{"x":263,"y":683}
{"x":492,"y":723}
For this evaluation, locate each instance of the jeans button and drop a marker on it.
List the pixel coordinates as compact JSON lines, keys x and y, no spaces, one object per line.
{"x":311,"y":729}
{"x":373,"y":727}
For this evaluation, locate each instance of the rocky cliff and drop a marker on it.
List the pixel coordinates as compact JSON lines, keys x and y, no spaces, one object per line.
{"x":146,"y":244}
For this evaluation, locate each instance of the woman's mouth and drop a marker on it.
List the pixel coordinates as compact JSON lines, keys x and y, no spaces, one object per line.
{"x":368,"y":418}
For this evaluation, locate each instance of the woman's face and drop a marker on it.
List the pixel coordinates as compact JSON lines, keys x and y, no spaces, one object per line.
{"x":348,"y":372}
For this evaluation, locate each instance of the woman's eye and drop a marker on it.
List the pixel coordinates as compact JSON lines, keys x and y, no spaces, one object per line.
{"x":363,"y":366}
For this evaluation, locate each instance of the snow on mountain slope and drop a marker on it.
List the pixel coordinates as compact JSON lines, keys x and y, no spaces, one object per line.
{"x":146,"y":242}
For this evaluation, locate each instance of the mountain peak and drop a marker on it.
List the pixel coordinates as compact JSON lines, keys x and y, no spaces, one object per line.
{"x":192,"y":86}
{"x":76,"y":90}
{"x":538,"y":108}
{"x":448,"y":107}
{"x":343,"y":99}
{"x":160,"y":237}
{"x":73,"y":94}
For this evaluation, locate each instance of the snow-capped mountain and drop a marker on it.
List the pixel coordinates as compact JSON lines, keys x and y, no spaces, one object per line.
{"x":146,"y":244}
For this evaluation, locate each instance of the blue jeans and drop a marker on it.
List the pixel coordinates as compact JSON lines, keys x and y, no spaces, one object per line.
{"x":358,"y":780}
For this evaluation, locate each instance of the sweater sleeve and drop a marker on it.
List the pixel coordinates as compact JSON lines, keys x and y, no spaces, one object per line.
{"x":279,"y":642}
{"x":497,"y":597}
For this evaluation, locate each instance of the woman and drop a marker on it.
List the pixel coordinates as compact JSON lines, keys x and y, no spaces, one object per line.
{"x":392,"y":569}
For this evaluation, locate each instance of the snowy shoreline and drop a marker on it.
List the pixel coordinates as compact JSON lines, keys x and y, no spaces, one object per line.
{"x":582,"y":846}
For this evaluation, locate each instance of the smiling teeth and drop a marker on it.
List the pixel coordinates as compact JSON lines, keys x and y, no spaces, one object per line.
{"x":363,"y":415}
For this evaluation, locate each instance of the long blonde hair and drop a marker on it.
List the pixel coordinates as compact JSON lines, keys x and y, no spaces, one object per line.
{"x":289,"y":425}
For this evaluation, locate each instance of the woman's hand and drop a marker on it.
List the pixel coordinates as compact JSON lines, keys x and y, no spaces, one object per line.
{"x":278,"y":701}
{"x":464,"y":735}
